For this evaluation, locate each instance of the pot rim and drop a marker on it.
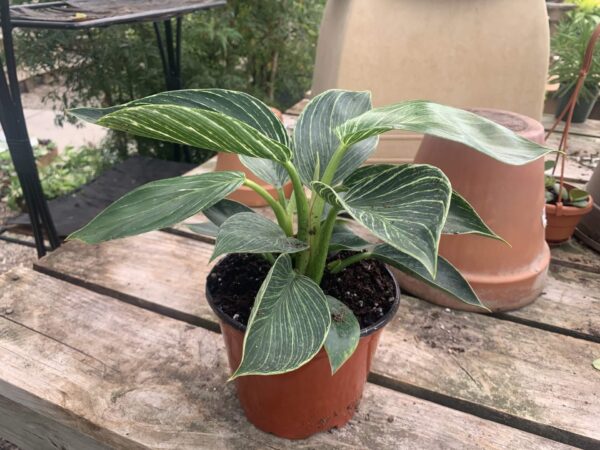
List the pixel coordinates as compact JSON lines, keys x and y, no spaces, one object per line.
{"x":387,"y":317}
{"x":566,"y":210}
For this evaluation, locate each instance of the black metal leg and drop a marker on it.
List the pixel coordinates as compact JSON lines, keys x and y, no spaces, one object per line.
{"x":17,"y":138}
{"x":170,"y":55}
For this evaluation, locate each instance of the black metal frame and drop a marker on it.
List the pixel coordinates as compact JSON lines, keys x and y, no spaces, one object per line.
{"x":12,"y":118}
{"x":19,"y":145}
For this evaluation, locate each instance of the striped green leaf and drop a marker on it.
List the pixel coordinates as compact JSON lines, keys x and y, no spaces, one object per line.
{"x":447,"y":279}
{"x":248,"y":232}
{"x":315,"y":139}
{"x":463,"y":219}
{"x":343,"y":335}
{"x":217,"y":214}
{"x":207,"y":229}
{"x":445,"y":122}
{"x":288,"y":324}
{"x":405,"y":206}
{"x":238,"y":105}
{"x":343,"y":238}
{"x":223,"y":210}
{"x":197,"y":128}
{"x":159,"y":204}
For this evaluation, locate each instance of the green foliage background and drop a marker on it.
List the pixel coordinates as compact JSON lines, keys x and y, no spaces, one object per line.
{"x":263,"y":47}
{"x":569,"y":44}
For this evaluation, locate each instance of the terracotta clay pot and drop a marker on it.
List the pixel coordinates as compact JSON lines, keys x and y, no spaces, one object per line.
{"x":588,"y":229}
{"x":510,"y":199}
{"x":563,"y":219}
{"x":298,"y":404}
{"x":245,"y":195}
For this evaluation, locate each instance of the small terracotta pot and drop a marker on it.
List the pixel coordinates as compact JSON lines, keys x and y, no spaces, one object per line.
{"x":563,"y":219}
{"x":510,"y":199}
{"x":298,"y":404}
{"x":245,"y":195}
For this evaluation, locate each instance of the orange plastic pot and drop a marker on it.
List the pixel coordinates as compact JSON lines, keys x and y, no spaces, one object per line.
{"x":298,"y":404}
{"x":510,"y":199}
{"x":563,"y":219}
{"x":245,"y":195}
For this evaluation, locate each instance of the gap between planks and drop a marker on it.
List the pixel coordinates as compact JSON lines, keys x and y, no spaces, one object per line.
{"x":120,"y":266}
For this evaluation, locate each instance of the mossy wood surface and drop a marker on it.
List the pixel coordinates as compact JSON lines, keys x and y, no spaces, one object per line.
{"x":83,"y":370}
{"x":530,"y":369}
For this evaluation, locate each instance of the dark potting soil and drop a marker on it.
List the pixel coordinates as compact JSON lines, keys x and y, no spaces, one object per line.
{"x":365,"y":287}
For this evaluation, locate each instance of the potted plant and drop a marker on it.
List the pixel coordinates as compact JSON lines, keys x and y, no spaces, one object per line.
{"x":569,"y":44}
{"x":565,"y":206}
{"x":302,"y":302}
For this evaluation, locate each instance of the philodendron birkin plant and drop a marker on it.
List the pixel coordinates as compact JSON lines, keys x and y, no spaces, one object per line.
{"x":405,"y":208}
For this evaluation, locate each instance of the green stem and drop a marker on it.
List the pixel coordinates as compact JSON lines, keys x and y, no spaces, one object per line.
{"x":281,"y":196}
{"x":303,"y":217}
{"x":268,"y":257}
{"x":318,"y":205}
{"x":337,"y":266}
{"x":318,"y":259}
{"x":280,"y":212}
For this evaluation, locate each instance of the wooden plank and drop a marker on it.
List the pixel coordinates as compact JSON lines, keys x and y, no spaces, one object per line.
{"x":569,"y":304}
{"x":589,"y":128}
{"x":533,"y":387}
{"x":129,"y":378}
{"x":512,"y":373}
{"x":577,"y":255}
{"x":157,"y":271}
{"x":172,"y":282}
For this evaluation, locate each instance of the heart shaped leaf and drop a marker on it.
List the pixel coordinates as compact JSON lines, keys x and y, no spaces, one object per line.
{"x":343,"y":238}
{"x":405,"y":206}
{"x":248,"y":232}
{"x":288,"y":324}
{"x":315,"y":139}
{"x":159,"y":204}
{"x":343,"y":335}
{"x":463,"y":219}
{"x":447,"y":279}
{"x":445,"y":122}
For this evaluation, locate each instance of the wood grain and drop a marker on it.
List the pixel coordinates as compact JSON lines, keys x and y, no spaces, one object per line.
{"x":589,"y":128}
{"x":569,"y":304}
{"x":82,"y":368}
{"x":577,"y":255}
{"x":537,"y":366}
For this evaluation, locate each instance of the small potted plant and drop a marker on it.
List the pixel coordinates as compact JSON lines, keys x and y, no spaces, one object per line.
{"x":302,"y":301}
{"x":568,"y":45}
{"x":565,"y":206}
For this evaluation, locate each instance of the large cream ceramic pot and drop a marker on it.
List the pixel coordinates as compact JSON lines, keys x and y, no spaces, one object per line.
{"x":465,"y":53}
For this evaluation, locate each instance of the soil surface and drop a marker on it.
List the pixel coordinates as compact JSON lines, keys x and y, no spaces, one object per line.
{"x":365,"y":287}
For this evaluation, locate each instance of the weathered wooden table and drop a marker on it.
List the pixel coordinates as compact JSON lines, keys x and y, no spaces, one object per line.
{"x":114,"y":345}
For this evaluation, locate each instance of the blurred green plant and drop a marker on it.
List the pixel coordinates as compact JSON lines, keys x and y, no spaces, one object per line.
{"x":62,"y":175}
{"x":586,"y":6}
{"x":568,"y":196}
{"x":265,"y":48}
{"x":568,"y":48}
